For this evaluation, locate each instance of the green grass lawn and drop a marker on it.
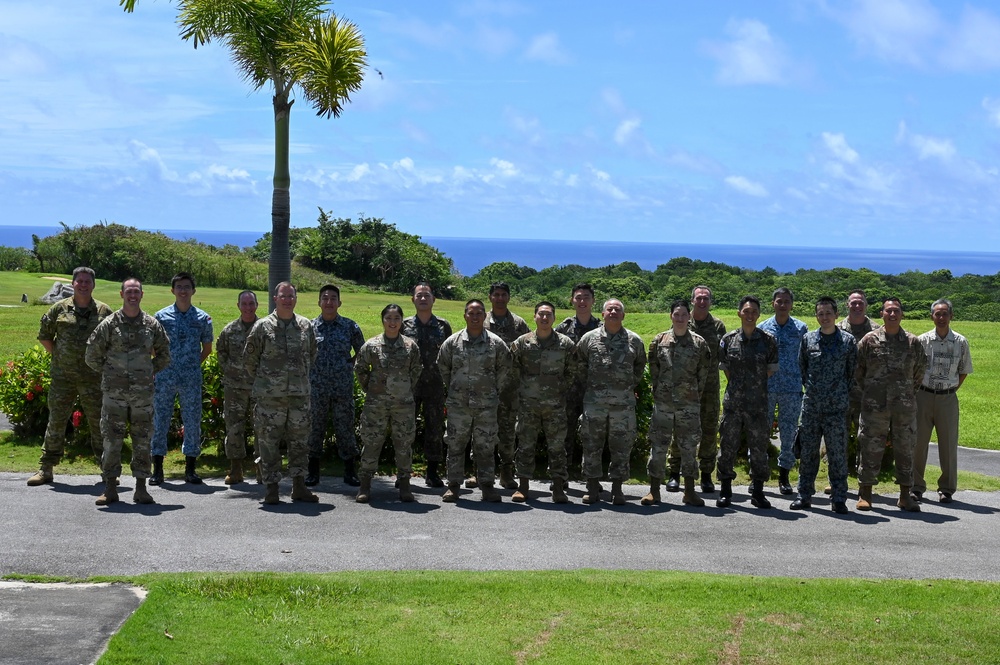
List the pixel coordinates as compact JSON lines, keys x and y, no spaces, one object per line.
{"x":584,"y":616}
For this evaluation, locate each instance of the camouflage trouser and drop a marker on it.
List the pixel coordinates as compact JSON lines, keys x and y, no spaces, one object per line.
{"x":278,"y":419}
{"x":832,"y":429}
{"x":507,"y":427}
{"x":670,"y":430}
{"x":875,"y":427}
{"x":757,"y":427}
{"x":617,"y":426}
{"x":431,"y":399}
{"x":708,"y":444}
{"x":530,"y":423}
{"x":61,"y":398}
{"x":341,"y":406}
{"x":377,"y":418}
{"x":236,"y":411}
{"x":789,"y":407}
{"x":481,"y":426}
{"x":187,"y":389}
{"x":574,"y":409}
{"x":136,"y":409}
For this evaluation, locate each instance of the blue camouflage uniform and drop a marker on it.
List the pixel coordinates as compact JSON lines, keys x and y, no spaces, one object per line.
{"x":784,"y":388}
{"x":182,"y":378}
{"x":331,"y":381}
{"x":827,"y":363}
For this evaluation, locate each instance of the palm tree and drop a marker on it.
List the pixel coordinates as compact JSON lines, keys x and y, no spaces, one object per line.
{"x":286,"y":43}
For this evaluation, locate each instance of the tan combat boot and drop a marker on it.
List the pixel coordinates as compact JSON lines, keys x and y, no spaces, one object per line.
{"x":521,"y":495}
{"x":864,"y":497}
{"x":653,"y":497}
{"x":271,"y":496}
{"x":364,"y":490}
{"x":559,"y":491}
{"x":235,"y":475}
{"x":405,"y":494}
{"x":110,"y":494}
{"x":490,"y":493}
{"x":507,"y":477}
{"x":141,"y":495}
{"x":451,"y":494}
{"x":593,"y":494}
{"x":42,"y":476}
{"x":691,"y":497}
{"x":300,"y":492}
{"x":617,"y":496}
{"x":907,"y":502}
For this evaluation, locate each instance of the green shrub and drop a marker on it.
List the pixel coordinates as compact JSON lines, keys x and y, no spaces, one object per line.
{"x":24,"y":389}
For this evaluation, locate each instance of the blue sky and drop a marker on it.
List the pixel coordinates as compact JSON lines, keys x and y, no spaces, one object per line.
{"x":798,"y":123}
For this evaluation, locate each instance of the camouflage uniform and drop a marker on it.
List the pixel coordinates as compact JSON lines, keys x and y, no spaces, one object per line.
{"x":388,"y":371}
{"x":128,"y":353}
{"x":332,"y":385}
{"x":474,"y":372}
{"x":854,"y":408}
{"x":429,"y":393}
{"x":69,"y":327}
{"x":237,"y":385}
{"x":279,"y":355}
{"x":890,"y":368}
{"x":612,"y":367}
{"x":572,"y":328}
{"x":508,"y":329}
{"x":744,"y":406}
{"x":678,"y":371}
{"x":542,"y":372}
{"x":828,"y":363}
{"x":182,"y":379}
{"x":784,"y":388}
{"x":711,"y":330}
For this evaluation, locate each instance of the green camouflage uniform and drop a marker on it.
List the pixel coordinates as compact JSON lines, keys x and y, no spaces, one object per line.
{"x":474,"y":372}
{"x":543,"y":371}
{"x":890,"y":368}
{"x":127,"y":352}
{"x":678,"y":371}
{"x":508,"y":329}
{"x":69,"y":327}
{"x":612,"y":367}
{"x":237,"y":385}
{"x":278,"y":356}
{"x":388,"y":371}
{"x":854,"y":408}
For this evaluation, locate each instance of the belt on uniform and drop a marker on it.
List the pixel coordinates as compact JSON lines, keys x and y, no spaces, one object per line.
{"x":946,"y":391}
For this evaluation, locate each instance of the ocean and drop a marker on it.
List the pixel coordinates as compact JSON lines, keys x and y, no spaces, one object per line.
{"x":472,"y":254}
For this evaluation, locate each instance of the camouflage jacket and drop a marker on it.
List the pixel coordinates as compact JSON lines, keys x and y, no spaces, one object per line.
{"x":788,"y":378}
{"x":68,"y":328}
{"x":678,"y":370}
{"x":279,"y":354}
{"x":611,"y":366}
{"x":543,"y":370}
{"x":128,"y":352}
{"x":890,"y":367}
{"x":337,"y":341}
{"x":746,"y":361}
{"x":712,"y":331}
{"x":229,"y":349}
{"x":572,"y":328}
{"x":828,"y":363}
{"x":187,"y":332}
{"x":860,"y":330}
{"x":508,"y":328}
{"x":388,"y":369}
{"x":429,"y":338}
{"x":474,"y":371}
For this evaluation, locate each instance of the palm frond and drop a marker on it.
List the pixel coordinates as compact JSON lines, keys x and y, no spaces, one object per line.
{"x":327,"y":61}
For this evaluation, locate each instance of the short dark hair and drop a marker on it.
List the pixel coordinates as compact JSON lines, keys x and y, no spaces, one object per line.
{"x":389,"y":308}
{"x":285,"y":283}
{"x":582,"y":286}
{"x":182,"y":276}
{"x":752,"y":299}
{"x":702,"y":286}
{"x":827,"y":300}
{"x":782,"y":291}
{"x":329,"y":287}
{"x":418,"y":285}
{"x":545,"y":303}
{"x":680,"y":302}
{"x":499,"y":285}
{"x":243,"y":293}
{"x":84,"y":270}
{"x":473,"y":301}
{"x":892,"y":299}
{"x":131,"y":279}
{"x":860,"y":292}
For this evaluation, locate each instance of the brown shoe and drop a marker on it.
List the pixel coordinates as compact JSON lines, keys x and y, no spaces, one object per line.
{"x":110,"y":495}
{"x":364,"y":490}
{"x":235,"y":475}
{"x":405,"y":494}
{"x":451,"y":494}
{"x":271,"y":497}
{"x":617,"y":496}
{"x":490,"y":493}
{"x":521,"y":495}
{"x":691,"y":497}
{"x":593,"y":494}
{"x":864,"y":497}
{"x":471,"y":483}
{"x":41,"y":477}
{"x":653,"y":497}
{"x":300,"y":492}
{"x":905,"y":501}
{"x":559,"y":491}
{"x":141,"y":495}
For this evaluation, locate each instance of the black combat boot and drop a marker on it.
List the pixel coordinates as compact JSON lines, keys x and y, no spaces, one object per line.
{"x":312,"y":472}
{"x":156,"y":478}
{"x":350,"y":474}
{"x":189,"y":473}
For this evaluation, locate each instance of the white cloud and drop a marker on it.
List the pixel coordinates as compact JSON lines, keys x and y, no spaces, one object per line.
{"x":837,"y":144}
{"x":504,"y":168}
{"x":928,"y":147}
{"x":546,"y":48}
{"x":753,"y":56}
{"x":626,"y":129}
{"x":896,"y":30}
{"x":601,"y":181}
{"x":992,"y":107}
{"x":974,"y":43}
{"x":746,"y":186}
{"x":359,"y":172}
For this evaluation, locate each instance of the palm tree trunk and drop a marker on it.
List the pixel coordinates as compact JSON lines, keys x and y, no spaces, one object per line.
{"x":280,"y":263}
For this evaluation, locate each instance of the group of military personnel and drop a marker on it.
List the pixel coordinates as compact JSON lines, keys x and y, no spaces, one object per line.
{"x":498,"y":387}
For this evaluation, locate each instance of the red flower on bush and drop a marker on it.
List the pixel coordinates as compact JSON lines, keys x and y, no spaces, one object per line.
{"x":30,"y":396}
{"x":77,"y":418}
{"x":215,"y":401}
{"x":38,"y":388}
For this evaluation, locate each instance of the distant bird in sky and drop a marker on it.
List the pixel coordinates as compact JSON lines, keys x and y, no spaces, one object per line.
{"x":379,"y":71}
